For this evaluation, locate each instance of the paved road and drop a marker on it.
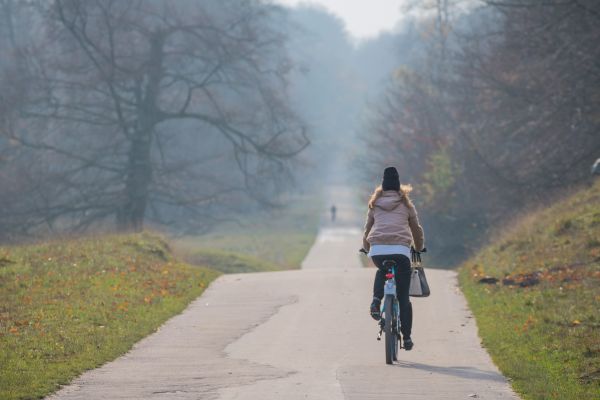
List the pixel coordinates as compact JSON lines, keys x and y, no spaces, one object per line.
{"x":303,"y":334}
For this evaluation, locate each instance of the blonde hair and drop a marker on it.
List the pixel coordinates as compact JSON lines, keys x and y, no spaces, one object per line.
{"x":403,"y":192}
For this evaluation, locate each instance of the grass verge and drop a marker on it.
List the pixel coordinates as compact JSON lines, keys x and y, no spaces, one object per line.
{"x":275,"y":241}
{"x":228,"y":262}
{"x":538,"y":313}
{"x":69,"y":306}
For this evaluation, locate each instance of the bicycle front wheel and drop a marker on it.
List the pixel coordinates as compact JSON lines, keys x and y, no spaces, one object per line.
{"x":391,"y":340}
{"x":396,"y":329}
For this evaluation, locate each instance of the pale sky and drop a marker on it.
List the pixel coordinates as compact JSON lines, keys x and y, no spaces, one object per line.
{"x":363,"y":18}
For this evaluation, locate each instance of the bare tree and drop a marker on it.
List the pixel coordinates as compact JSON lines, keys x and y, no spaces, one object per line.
{"x":504,"y":112}
{"x":16,"y":163}
{"x":172,"y":112}
{"x":526,"y":93}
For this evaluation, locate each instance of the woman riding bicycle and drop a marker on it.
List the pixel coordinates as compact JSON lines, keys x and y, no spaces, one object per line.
{"x":392,"y":227}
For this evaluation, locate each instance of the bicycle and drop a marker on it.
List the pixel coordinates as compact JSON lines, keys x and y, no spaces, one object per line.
{"x":390,"y":312}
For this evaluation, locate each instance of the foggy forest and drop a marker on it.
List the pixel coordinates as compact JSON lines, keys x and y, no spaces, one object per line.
{"x":181,"y":114}
{"x":247,"y":136}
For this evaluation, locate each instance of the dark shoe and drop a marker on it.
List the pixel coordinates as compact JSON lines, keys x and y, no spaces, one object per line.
{"x":408,"y":344}
{"x":376,"y":309}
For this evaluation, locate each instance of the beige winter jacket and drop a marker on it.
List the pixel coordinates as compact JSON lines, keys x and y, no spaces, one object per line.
{"x":390,"y":221}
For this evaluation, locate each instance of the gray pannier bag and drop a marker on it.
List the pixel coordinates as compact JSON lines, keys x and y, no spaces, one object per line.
{"x":418,"y":281}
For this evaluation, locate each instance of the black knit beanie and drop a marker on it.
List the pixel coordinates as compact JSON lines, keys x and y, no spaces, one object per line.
{"x":391,"y":181}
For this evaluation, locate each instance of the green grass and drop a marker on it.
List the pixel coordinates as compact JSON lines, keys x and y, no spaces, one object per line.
{"x":280,"y":239}
{"x":69,"y":306}
{"x":228,"y":262}
{"x":545,"y":337}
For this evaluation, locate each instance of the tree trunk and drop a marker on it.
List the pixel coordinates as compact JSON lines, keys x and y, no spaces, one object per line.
{"x":139,"y":177}
{"x":139,"y":167}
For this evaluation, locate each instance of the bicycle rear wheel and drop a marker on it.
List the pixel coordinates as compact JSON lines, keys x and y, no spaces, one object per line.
{"x":391,"y":340}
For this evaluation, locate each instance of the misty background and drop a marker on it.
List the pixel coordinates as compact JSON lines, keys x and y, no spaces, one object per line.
{"x":182,"y":115}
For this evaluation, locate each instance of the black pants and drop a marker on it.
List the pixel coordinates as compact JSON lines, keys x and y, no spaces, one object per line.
{"x":402,"y":286}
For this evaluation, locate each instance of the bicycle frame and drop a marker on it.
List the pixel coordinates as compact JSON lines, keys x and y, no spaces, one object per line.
{"x":390,"y":283}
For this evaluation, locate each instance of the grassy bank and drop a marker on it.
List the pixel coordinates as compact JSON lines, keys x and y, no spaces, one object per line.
{"x":278,"y":240}
{"x":66,"y":307}
{"x":228,"y":262}
{"x":538,"y":314}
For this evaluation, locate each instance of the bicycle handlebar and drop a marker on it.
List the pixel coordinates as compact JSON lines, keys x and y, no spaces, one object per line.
{"x":416,"y":255}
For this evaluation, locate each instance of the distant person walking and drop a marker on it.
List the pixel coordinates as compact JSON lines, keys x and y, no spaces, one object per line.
{"x":333,"y":211}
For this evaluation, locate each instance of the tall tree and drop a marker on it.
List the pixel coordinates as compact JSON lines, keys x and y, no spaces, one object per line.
{"x":503,"y":113}
{"x":172,"y":112}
